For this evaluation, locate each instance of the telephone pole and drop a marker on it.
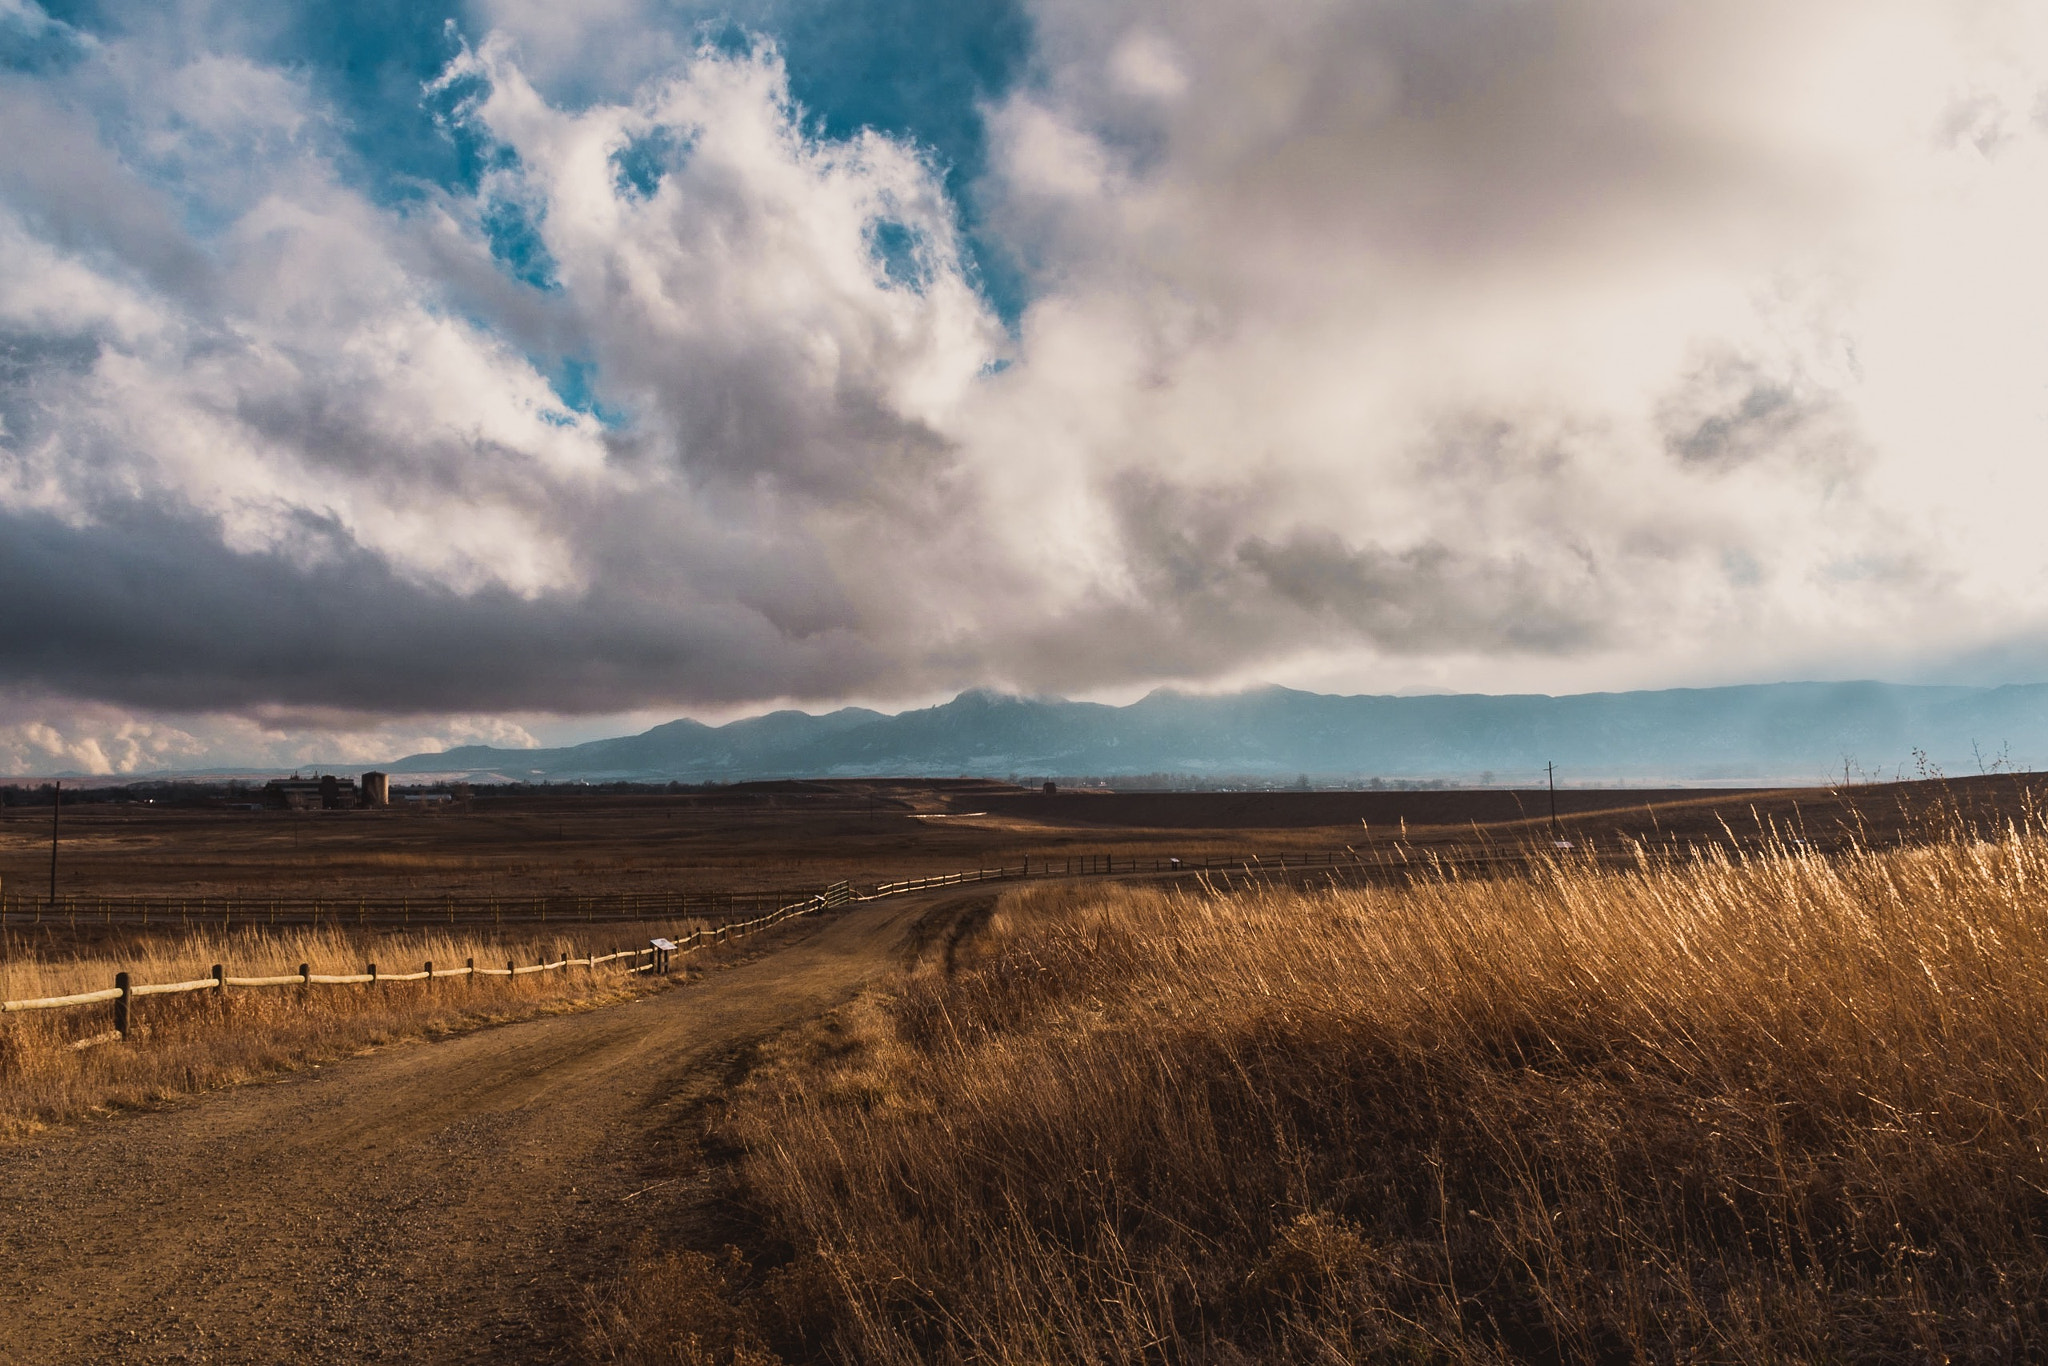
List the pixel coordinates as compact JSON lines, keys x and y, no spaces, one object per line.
{"x":1551,"y":771}
{"x":56,"y":815}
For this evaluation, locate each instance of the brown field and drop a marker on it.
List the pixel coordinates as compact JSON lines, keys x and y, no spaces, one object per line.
{"x":1744,"y":1076}
{"x":795,"y":836}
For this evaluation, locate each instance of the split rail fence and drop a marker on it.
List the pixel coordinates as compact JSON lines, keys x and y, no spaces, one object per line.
{"x":655,"y":958}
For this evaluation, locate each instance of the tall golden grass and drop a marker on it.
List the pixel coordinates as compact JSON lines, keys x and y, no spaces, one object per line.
{"x":199,"y":1041}
{"x":1780,"y":1109}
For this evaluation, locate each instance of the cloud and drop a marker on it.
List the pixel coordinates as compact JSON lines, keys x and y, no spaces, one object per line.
{"x":302,"y":473}
{"x":1492,"y":344}
{"x":1625,"y":322}
{"x":43,"y":736}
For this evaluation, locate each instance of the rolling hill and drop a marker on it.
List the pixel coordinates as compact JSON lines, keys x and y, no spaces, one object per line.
{"x":1779,"y":732}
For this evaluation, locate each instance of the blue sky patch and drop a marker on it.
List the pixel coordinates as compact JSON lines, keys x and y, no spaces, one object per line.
{"x":516,"y":243}
{"x":639,"y":166}
{"x":913,"y":69}
{"x":916,"y":69}
{"x":373,"y":61}
{"x":31,"y":41}
{"x":575,"y":383}
{"x":899,"y":250}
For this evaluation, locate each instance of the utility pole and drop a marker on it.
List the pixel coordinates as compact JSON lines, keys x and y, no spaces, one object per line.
{"x":1551,"y":771}
{"x":56,"y":816}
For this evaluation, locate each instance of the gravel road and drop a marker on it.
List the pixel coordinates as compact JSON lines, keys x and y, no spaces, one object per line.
{"x":431,"y":1202}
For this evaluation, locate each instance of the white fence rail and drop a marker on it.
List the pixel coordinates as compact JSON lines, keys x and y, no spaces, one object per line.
{"x":124,"y":993}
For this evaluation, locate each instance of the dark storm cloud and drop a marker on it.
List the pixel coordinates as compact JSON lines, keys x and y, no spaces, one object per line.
{"x":1733,"y":410}
{"x":1423,"y":598}
{"x":1209,"y":589}
{"x":153,"y":612}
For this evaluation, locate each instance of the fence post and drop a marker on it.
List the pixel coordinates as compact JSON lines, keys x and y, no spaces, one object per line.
{"x":430,"y":974}
{"x":220,"y":979}
{"x":373,"y":974}
{"x":305,"y":979}
{"x":121,"y":1004}
{"x":471,"y":965}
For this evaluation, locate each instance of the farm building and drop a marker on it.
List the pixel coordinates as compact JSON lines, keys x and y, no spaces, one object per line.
{"x":324,"y":793}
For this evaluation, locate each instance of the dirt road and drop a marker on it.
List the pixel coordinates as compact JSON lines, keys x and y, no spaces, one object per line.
{"x":435,"y":1202}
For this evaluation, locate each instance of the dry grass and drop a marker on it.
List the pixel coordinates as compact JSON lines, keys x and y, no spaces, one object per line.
{"x":1790,"y":1109}
{"x":676,"y":1308}
{"x":200,"y":1041}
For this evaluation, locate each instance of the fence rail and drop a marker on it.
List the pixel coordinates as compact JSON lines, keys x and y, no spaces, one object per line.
{"x":83,"y":998}
{"x":125,"y":992}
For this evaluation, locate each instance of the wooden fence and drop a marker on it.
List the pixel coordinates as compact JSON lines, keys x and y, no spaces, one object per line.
{"x":125,"y":992}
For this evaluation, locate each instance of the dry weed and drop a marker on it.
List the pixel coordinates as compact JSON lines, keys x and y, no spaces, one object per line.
{"x":1782,"y":1109}
{"x":674,"y":1308}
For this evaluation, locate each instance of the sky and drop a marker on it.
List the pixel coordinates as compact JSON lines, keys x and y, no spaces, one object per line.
{"x":376,"y":377}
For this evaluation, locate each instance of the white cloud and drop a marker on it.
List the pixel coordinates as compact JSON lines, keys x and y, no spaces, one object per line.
{"x":1490,"y":344}
{"x":44,"y":736}
{"x":1714,"y":327}
{"x":1144,"y":65}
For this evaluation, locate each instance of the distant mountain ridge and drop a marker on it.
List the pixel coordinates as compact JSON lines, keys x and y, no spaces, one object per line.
{"x":1793,"y":732}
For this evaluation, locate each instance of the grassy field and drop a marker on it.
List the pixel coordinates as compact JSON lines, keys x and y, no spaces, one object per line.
{"x":200,"y":1041}
{"x":1685,"y":1077}
{"x":1785,"y":1107}
{"x":798,"y":836}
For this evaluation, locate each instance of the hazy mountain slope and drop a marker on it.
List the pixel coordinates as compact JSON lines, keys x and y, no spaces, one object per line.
{"x":1790,"y":731}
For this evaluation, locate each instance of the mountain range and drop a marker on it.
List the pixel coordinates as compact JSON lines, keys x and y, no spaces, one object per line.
{"x":1777,"y":732}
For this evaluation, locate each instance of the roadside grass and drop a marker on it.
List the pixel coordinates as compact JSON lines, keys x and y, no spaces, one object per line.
{"x":1783,"y":1108}
{"x":204,"y":1040}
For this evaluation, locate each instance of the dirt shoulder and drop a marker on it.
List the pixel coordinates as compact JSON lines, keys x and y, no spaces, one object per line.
{"x":430,"y":1202}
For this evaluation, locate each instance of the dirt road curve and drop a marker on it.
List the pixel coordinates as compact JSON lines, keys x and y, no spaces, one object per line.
{"x":428,"y":1202}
